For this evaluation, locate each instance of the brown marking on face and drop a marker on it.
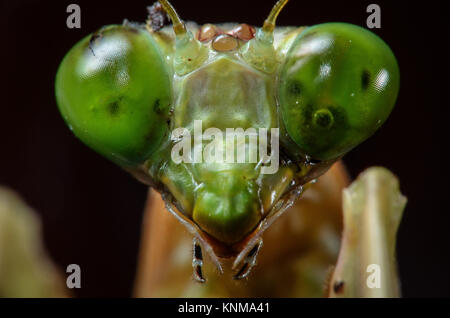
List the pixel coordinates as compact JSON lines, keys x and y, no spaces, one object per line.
{"x":225,"y":43}
{"x":207,"y":32}
{"x":243,"y":32}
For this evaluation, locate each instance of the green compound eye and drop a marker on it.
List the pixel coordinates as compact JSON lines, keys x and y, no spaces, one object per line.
{"x":113,"y":90}
{"x":337,"y":87}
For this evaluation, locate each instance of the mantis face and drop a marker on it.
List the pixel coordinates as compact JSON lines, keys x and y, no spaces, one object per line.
{"x":144,"y":96}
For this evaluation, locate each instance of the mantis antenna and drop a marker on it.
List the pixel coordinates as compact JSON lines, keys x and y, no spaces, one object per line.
{"x":178,"y":26}
{"x":269,"y":24}
{"x":189,"y":52}
{"x":260,"y":51}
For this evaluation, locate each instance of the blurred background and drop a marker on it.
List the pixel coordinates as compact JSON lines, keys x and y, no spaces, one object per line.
{"x":92,"y":211}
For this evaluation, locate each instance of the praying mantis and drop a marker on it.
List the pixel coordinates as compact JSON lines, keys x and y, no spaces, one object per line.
{"x":134,"y":93}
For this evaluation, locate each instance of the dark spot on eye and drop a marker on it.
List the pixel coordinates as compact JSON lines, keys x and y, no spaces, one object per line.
{"x":365,"y":79}
{"x":338,"y":287}
{"x":157,"y":107}
{"x":113,"y":108}
{"x":320,"y":127}
{"x":323,"y":118}
{"x":295,"y":88}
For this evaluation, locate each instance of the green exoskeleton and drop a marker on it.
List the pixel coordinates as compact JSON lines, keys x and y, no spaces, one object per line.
{"x":317,"y":91}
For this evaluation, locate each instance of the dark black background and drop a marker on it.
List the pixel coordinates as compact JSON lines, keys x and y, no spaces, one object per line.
{"x":92,"y":210}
